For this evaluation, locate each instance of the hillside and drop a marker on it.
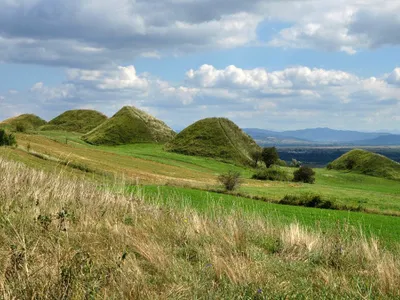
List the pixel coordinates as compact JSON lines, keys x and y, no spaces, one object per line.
{"x":384,"y":140}
{"x":78,"y":120}
{"x":267,"y":138}
{"x":130,"y":125}
{"x":367,"y":163}
{"x":214,"y":137}
{"x":27,"y":121}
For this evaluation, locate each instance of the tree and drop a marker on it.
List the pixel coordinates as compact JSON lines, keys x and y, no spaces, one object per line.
{"x":256,"y":156}
{"x":269,"y":156}
{"x":7,"y":139}
{"x":295,"y":163}
{"x":231,"y":180}
{"x":304,"y":174}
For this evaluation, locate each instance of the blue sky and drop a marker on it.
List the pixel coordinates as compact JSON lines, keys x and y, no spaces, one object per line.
{"x":268,"y":64}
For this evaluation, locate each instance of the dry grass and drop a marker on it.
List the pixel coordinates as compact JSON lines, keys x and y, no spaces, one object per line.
{"x":68,"y":239}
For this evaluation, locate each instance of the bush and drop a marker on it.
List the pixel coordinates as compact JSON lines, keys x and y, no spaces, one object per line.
{"x":307,"y":200}
{"x":7,"y":139}
{"x":295,"y":163}
{"x":269,"y":156}
{"x":304,"y":174}
{"x":281,"y":163}
{"x":274,"y":174}
{"x":231,"y":180}
{"x":20,"y":127}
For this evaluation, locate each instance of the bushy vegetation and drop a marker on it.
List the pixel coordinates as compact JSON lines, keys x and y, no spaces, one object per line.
{"x":230,"y":180}
{"x":130,"y":125}
{"x":269,"y":156}
{"x":7,"y":139}
{"x":304,"y":174}
{"x":88,"y":242}
{"x":79,"y":120}
{"x":23,"y":123}
{"x":367,"y":163}
{"x":307,"y":200}
{"x":274,"y":174}
{"x":219,"y":138}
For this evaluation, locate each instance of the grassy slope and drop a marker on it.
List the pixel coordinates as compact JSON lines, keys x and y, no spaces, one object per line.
{"x":79,"y":120}
{"x":368,"y":163}
{"x":214,"y":137}
{"x":69,"y":239}
{"x":28,"y":121}
{"x":150,"y":164}
{"x":130,"y":125}
{"x":386,"y":227}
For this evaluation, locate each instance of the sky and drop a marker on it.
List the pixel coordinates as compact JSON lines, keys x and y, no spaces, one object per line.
{"x":276,"y":64}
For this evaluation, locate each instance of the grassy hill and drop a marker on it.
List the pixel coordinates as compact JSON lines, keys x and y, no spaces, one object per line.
{"x":26,"y":121}
{"x":130,"y":125}
{"x":78,"y":120}
{"x":367,"y":163}
{"x":214,"y":137}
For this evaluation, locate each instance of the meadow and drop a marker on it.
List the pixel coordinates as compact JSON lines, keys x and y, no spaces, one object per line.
{"x":67,"y":238}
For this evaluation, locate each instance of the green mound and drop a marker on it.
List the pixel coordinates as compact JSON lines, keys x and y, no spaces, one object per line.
{"x":214,"y":137}
{"x":367,"y":163}
{"x":23,"y":122}
{"x":79,"y":120}
{"x":128,"y":126}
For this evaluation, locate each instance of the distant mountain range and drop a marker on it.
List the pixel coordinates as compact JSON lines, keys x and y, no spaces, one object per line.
{"x":322,"y":136}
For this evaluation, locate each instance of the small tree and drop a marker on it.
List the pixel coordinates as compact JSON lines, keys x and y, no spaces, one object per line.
{"x":231,"y":180}
{"x":256,"y":156}
{"x":270,"y":156}
{"x":295,"y":163}
{"x":7,"y":139}
{"x":304,"y":174}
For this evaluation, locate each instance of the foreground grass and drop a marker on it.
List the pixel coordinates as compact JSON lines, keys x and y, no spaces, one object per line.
{"x":69,"y":239}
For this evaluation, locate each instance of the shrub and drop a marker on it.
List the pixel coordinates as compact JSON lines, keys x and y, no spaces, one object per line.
{"x":7,"y":139}
{"x":304,"y":174}
{"x":269,"y":156}
{"x":295,"y":163}
{"x":307,"y":200}
{"x":20,"y":127}
{"x":281,"y":163}
{"x":231,"y":180}
{"x":274,"y":174}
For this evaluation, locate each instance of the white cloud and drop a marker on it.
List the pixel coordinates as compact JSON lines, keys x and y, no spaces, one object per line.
{"x":289,"y":98}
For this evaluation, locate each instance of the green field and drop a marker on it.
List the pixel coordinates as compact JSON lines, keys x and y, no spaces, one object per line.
{"x":386,"y":227}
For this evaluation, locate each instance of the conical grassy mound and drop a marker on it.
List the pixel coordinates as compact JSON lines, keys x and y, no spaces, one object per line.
{"x":78,"y":120}
{"x":130,"y":125}
{"x":367,"y":163}
{"x":23,"y":122}
{"x":214,"y":137}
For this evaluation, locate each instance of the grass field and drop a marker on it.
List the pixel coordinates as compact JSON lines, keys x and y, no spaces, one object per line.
{"x":65,"y":238}
{"x":150,"y":164}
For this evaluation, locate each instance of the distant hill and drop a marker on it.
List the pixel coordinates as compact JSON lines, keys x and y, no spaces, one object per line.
{"x":214,"y":137}
{"x":28,"y":121}
{"x":367,"y":163}
{"x":267,"y":137}
{"x":130,"y":125}
{"x":78,"y":120}
{"x":384,"y":140}
{"x":313,"y":136}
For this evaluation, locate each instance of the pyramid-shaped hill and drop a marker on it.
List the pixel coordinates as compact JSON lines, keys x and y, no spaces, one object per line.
{"x":128,"y":126}
{"x":78,"y":120}
{"x":214,"y":137}
{"x":23,"y":122}
{"x":368,"y":163}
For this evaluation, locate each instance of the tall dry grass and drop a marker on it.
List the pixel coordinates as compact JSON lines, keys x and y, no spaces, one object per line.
{"x":69,"y":239}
